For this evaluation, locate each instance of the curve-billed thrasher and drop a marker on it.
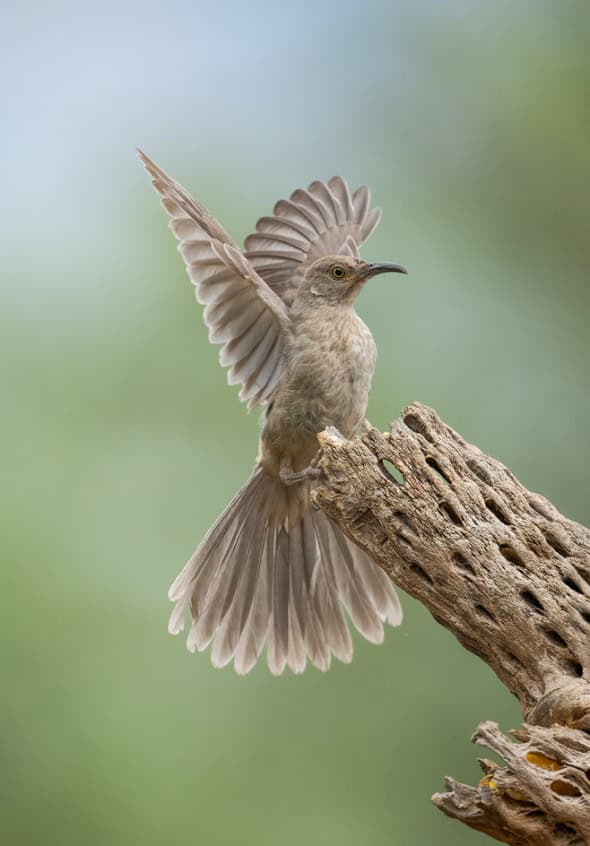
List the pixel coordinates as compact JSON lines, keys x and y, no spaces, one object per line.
{"x":272,"y":569}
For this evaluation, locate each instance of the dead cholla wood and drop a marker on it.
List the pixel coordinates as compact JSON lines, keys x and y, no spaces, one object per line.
{"x":494,"y":563}
{"x":540,"y":797}
{"x":510,"y":576}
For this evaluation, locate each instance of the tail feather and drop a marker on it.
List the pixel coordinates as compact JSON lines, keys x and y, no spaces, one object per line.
{"x":382,"y":593}
{"x":351,"y":589}
{"x":319,"y":647}
{"x":219,"y":534}
{"x":337,"y":632}
{"x":212,"y":599}
{"x":240,"y":596}
{"x":209,"y":612}
{"x":278,"y":636}
{"x":313,"y":608}
{"x":272,"y":571}
{"x":256,"y":625}
{"x":298,"y":604}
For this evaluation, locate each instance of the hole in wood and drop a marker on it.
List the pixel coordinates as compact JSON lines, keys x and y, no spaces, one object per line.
{"x":433,"y":463}
{"x":414,"y":423}
{"x":555,"y":637}
{"x":556,"y":544}
{"x":462,"y":562}
{"x":574,"y":668}
{"x":564,"y":828}
{"x":450,"y":512}
{"x":479,"y":471}
{"x":577,"y":712}
{"x":542,"y":761}
{"x":391,"y":472}
{"x":483,"y":612}
{"x":565,"y":788}
{"x":532,"y":601}
{"x":572,"y":585}
{"x":421,"y":572}
{"x":510,"y":554}
{"x":493,"y":506}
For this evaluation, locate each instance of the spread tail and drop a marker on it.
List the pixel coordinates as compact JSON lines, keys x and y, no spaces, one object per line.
{"x":274,"y":571}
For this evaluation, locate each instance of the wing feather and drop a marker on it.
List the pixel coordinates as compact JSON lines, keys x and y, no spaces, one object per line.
{"x":252,"y":360}
{"x":324,"y":219}
{"x":241,"y":311}
{"x":242,"y":346}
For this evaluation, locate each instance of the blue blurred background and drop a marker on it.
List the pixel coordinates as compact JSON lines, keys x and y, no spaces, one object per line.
{"x":122,"y":442}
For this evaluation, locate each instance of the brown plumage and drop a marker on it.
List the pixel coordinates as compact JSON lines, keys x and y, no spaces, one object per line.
{"x":272,"y":570}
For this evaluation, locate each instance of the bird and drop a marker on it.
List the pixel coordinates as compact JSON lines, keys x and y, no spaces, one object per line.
{"x":273,"y":571}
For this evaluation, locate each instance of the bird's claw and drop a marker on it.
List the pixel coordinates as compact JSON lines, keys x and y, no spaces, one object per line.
{"x":310,"y":473}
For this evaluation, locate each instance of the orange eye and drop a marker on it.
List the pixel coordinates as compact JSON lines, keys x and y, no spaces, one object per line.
{"x":338,"y":272}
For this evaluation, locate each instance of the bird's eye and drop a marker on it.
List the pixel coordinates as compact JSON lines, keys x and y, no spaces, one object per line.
{"x":338,"y":272}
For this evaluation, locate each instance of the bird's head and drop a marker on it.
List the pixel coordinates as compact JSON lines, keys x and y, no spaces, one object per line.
{"x":339,"y":279}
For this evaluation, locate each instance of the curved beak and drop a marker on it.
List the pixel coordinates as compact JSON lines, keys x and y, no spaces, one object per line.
{"x":379,"y":267}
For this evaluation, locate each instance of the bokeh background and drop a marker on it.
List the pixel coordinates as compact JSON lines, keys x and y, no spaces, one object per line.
{"x":122,"y":442}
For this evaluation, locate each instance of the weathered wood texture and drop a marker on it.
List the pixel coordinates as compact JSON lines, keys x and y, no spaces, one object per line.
{"x":510,"y":576}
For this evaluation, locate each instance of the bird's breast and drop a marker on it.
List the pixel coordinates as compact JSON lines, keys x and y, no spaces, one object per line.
{"x":330,"y":359}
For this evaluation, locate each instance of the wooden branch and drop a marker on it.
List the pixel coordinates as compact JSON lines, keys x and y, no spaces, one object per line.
{"x":510,"y":577}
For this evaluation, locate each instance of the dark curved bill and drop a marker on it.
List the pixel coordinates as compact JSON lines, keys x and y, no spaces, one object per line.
{"x":380,"y":267}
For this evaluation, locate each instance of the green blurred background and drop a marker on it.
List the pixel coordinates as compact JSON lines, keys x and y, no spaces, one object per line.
{"x":122,"y":443}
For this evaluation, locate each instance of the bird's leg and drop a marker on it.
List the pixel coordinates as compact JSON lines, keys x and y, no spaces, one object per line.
{"x":293,"y":478}
{"x":288,"y":477}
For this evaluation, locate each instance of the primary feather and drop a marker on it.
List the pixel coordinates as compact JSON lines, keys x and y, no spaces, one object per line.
{"x":242,"y":313}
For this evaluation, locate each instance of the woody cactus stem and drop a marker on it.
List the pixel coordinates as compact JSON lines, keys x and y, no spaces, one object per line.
{"x":510,"y":576}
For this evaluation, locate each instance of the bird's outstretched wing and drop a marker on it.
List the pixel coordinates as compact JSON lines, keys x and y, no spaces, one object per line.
{"x":325,"y":219}
{"x":241,"y":311}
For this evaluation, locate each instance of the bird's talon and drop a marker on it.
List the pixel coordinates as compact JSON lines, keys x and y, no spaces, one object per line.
{"x":312,"y":473}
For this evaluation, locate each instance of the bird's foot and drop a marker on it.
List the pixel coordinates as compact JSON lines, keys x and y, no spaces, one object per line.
{"x":313,"y":473}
